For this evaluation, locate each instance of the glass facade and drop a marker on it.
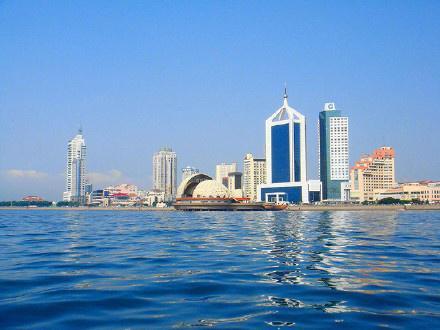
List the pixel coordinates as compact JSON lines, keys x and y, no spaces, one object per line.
{"x":333,"y":157}
{"x":297,"y":151}
{"x":280,"y":153}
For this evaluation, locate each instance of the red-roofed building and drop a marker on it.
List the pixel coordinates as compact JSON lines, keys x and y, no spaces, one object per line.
{"x":372,"y":172}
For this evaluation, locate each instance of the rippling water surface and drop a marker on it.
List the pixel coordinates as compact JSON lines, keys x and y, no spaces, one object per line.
{"x":143,"y":270}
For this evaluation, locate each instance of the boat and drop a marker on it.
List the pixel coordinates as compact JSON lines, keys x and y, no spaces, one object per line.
{"x":275,"y":206}
{"x":224,"y":204}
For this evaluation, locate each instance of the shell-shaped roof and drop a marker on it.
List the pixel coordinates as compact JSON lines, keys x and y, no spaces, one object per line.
{"x":190,"y":182}
{"x":211,"y":188}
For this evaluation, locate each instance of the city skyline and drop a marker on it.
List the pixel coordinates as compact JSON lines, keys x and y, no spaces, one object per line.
{"x":58,"y":71}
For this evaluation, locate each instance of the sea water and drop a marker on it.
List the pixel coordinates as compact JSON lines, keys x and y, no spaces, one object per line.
{"x":226,"y":270}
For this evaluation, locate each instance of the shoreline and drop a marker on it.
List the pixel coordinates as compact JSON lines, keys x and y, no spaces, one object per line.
{"x":291,"y":208}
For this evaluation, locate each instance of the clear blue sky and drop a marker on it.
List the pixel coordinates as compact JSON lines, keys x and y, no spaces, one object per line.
{"x":202,"y":77}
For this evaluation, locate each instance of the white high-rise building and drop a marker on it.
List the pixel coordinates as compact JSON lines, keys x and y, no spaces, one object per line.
{"x":189,"y":171}
{"x":76,"y":170}
{"x":165,"y":172}
{"x":254,"y":174}
{"x":286,"y":161}
{"x":222,"y":171}
{"x":333,"y":153}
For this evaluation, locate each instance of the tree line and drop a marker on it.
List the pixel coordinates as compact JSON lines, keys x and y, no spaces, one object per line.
{"x":37,"y":204}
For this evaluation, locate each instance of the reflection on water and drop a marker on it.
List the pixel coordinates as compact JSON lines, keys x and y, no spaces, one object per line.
{"x":326,"y":248}
{"x":223,"y":270}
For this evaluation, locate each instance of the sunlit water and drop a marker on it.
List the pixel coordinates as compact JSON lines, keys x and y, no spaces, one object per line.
{"x":236,"y":270}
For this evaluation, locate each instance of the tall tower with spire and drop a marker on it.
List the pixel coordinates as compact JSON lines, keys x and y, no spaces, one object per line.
{"x":285,"y":156}
{"x":76,"y":169}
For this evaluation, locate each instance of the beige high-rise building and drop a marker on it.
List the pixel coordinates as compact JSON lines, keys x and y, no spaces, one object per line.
{"x":254,"y":174}
{"x":235,"y":184}
{"x":372,"y":172}
{"x":222,"y":171}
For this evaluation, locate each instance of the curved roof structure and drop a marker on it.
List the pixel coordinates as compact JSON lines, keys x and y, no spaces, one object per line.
{"x":186,"y":188}
{"x":211,"y":189}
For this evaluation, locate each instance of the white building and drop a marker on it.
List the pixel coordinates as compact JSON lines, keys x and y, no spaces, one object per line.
{"x":165,"y":172}
{"x":254,"y":174}
{"x":154,"y":198}
{"x":235,"y":180}
{"x":286,"y":163}
{"x":188,"y":171}
{"x":124,"y":188}
{"x":76,"y":170}
{"x":222,"y":171}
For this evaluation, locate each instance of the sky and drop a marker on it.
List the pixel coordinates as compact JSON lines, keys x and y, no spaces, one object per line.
{"x":202,"y":77}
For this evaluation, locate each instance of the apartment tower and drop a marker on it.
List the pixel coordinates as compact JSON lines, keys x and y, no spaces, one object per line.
{"x":165,"y":172}
{"x":254,"y":174}
{"x":76,"y":170}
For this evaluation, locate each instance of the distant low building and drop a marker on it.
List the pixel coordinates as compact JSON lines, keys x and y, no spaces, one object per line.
{"x":235,"y":184}
{"x":33,"y":199}
{"x":88,"y":188}
{"x":125,"y":188}
{"x":315,"y":190}
{"x":99,"y":197}
{"x":189,"y":171}
{"x":222,"y":170}
{"x":424,"y":191}
{"x":154,"y":198}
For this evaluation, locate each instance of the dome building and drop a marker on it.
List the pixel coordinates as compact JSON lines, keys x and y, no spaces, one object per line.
{"x":200,"y":192}
{"x":186,"y":188}
{"x":211,"y":189}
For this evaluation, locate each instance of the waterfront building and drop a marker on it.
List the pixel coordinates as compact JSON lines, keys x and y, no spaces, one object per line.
{"x":315,"y":190}
{"x":88,"y":188}
{"x":333,"y":153}
{"x":254,"y":174}
{"x":286,"y":164}
{"x":424,"y":191}
{"x":372,"y":172}
{"x":32,"y":199}
{"x":124,"y":188}
{"x":97,"y":198}
{"x":76,"y":169}
{"x":188,"y":171}
{"x":165,"y":172}
{"x":201,"y":192}
{"x":235,"y":184}
{"x":222,"y":170}
{"x":154,"y":198}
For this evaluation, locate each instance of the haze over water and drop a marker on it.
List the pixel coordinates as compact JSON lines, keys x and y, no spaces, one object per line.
{"x":104,"y":269}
